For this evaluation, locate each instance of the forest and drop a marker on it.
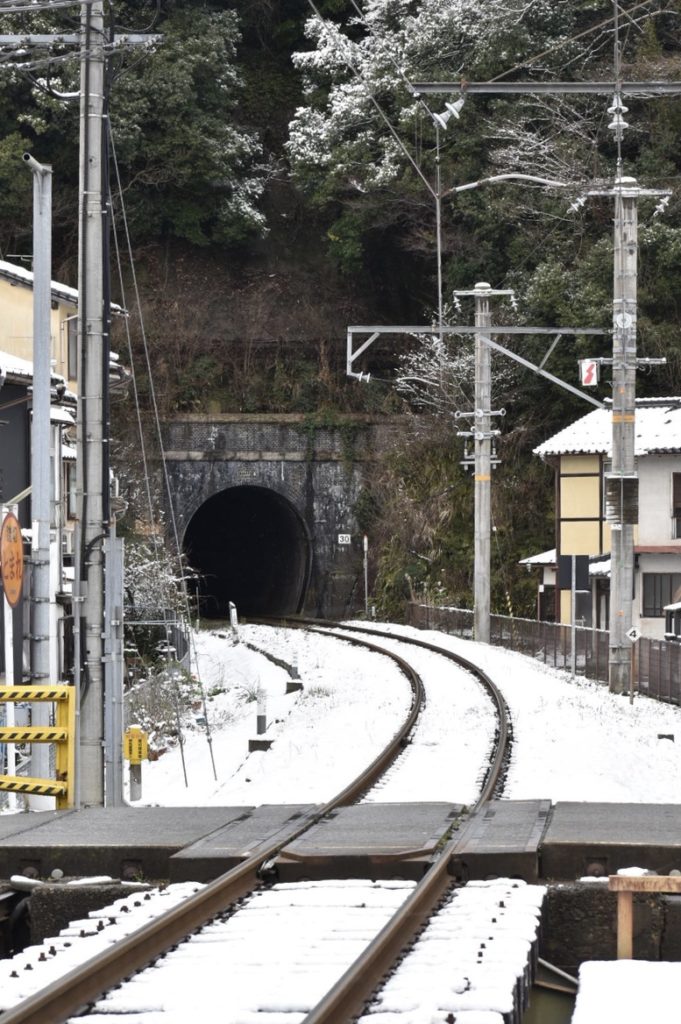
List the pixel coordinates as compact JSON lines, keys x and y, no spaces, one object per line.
{"x":274,"y":176}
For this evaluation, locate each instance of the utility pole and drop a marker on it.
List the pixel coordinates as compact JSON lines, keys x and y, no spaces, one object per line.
{"x":621,"y":483}
{"x":93,"y":374}
{"x":41,"y":482}
{"x":623,"y":431}
{"x":482,"y":436}
{"x":97,"y":608}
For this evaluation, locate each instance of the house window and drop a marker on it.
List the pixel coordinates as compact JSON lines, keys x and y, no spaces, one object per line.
{"x":676,"y":505}
{"x":659,"y":589}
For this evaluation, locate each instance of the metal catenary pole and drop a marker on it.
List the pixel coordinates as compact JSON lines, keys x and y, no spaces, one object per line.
{"x":40,"y":457}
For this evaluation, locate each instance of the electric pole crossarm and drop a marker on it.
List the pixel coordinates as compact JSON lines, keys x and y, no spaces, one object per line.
{"x":548,"y":88}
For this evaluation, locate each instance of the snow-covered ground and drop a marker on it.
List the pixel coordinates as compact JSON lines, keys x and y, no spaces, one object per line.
{"x":572,"y":738}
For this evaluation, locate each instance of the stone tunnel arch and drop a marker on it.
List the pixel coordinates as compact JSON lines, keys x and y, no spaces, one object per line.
{"x":249,"y":545}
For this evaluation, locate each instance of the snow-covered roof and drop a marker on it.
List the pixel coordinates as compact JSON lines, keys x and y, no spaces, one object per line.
{"x":60,"y":415}
{"x":13,"y":366}
{"x":543,"y":558}
{"x":657,"y":429}
{"x":597,"y":567}
{"x":13,"y":272}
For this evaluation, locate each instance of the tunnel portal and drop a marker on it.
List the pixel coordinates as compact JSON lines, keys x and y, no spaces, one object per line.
{"x":248,"y":545}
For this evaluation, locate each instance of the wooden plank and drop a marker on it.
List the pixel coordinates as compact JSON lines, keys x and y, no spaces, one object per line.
{"x":644,"y":883}
{"x":625,"y":925}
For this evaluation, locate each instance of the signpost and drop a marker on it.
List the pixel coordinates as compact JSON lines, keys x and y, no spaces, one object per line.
{"x":135,"y":750}
{"x":633,"y":634}
{"x":11,"y":559}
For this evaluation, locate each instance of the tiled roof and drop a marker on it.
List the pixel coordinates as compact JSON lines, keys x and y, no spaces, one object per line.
{"x":657,"y":429}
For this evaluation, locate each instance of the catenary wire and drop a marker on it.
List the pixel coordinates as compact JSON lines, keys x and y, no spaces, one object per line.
{"x":157,"y":423}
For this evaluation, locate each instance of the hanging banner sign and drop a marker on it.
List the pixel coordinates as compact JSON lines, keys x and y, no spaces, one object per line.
{"x":11,"y":559}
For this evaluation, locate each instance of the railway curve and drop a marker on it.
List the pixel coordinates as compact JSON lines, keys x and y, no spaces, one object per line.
{"x":346,"y":998}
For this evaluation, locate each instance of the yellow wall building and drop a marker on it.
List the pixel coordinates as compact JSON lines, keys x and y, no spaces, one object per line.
{"x":580,"y":455}
{"x":16,"y":323}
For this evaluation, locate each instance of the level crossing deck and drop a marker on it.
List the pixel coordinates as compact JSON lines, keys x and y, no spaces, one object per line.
{"x":528,"y":839}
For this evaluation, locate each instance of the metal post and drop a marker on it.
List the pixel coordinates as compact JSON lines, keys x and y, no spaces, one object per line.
{"x":40,"y":454}
{"x":89,"y":582}
{"x":365,"y":545}
{"x":113,"y":673}
{"x":261,"y":714}
{"x":135,"y":782}
{"x":573,"y":615}
{"x":623,"y":424}
{"x":438,"y":225}
{"x":234,"y":621}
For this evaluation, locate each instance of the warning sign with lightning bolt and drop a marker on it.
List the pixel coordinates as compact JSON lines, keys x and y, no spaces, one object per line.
{"x":588,"y":372}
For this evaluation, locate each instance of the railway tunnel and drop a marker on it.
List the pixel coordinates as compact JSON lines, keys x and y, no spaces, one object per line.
{"x":249,"y":545}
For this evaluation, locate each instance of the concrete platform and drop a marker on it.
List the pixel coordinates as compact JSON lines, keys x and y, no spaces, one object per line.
{"x":124,"y":842}
{"x":503,"y":840}
{"x":229,"y":845}
{"x":585,"y":839}
{"x":370,"y":841}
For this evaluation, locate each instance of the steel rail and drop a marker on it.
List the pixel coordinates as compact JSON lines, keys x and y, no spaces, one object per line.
{"x":85,"y":984}
{"x":494,"y":775}
{"x":345,"y":1001}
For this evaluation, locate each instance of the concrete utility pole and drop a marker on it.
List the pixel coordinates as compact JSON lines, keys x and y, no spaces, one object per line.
{"x":40,"y":453}
{"x":93,"y":374}
{"x":97,"y":608}
{"x":621,"y":484}
{"x":623,"y":429}
{"x":482,"y":436}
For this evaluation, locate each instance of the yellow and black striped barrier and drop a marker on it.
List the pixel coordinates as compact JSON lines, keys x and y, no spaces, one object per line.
{"x":62,"y":734}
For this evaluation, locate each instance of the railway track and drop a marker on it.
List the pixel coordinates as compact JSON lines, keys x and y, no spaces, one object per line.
{"x":345,"y":998}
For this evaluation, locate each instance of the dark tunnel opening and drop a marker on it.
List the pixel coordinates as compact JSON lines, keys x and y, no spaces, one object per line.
{"x":248,"y":545}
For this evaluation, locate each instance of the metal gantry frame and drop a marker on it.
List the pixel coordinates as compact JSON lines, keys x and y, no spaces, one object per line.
{"x":481,"y":433}
{"x":375,"y":332}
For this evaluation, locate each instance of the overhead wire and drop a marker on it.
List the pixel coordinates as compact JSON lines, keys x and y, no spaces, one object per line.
{"x":159,"y":439}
